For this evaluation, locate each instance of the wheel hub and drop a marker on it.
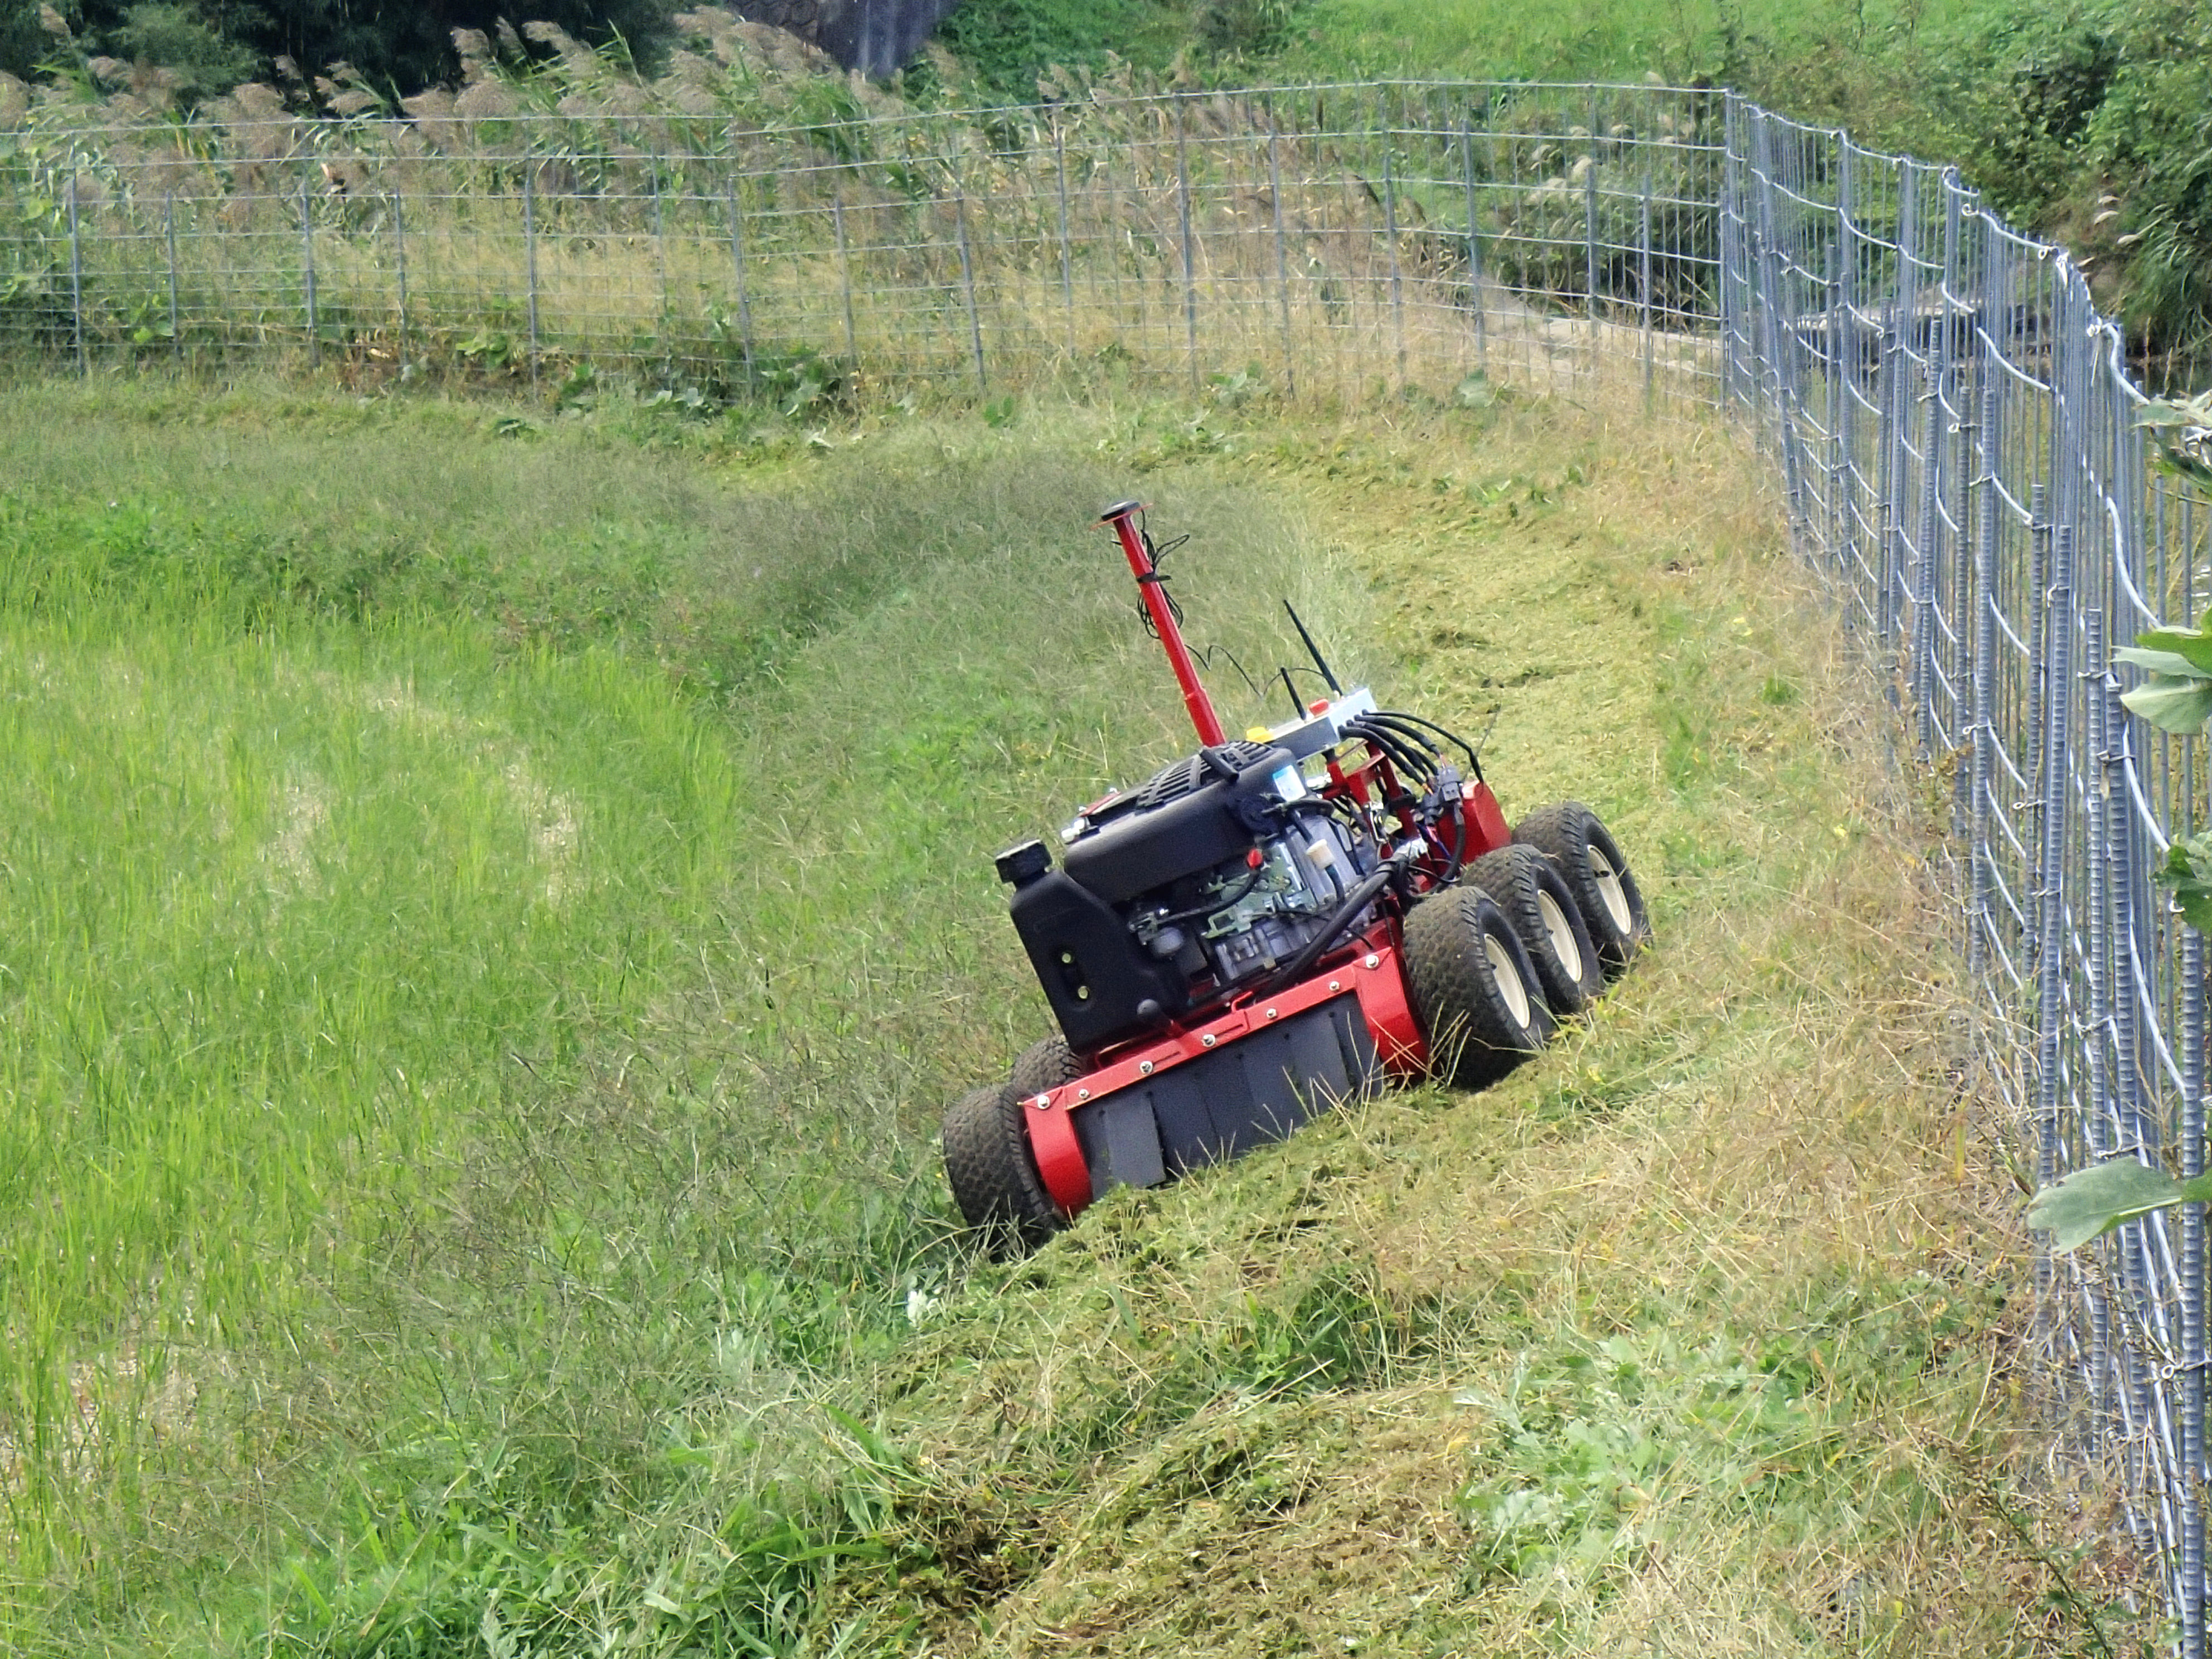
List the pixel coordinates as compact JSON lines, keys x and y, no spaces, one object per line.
{"x":1609,"y":889}
{"x":1561,"y":932}
{"x":1507,"y":978}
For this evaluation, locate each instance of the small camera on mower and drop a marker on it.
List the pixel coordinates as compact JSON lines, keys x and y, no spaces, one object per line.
{"x":1268,"y":927}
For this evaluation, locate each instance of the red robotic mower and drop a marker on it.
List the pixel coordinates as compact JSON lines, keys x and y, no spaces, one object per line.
{"x":1268,"y":927}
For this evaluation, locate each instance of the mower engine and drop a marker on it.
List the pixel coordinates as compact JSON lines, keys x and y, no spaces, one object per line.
{"x":1215,"y":872}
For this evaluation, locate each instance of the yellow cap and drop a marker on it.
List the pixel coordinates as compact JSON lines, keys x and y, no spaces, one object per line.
{"x":1258,"y":733}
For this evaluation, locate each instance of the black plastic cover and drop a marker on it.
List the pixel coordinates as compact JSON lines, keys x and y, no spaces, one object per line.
{"x":1103,"y":987}
{"x":1189,"y":827}
{"x":1256,"y":1088}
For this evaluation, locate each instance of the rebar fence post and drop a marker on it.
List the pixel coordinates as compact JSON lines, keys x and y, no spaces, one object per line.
{"x":1844,"y":339}
{"x":1475,"y":249}
{"x":1643,"y":281}
{"x":2192,"y":1246}
{"x":1189,"y":258}
{"x":660,"y":264}
{"x":529,"y":258}
{"x":1390,"y":237}
{"x":968,"y":287}
{"x":307,"y":274}
{"x":845,"y":274}
{"x":169,"y":235}
{"x":399,"y":261}
{"x":77,"y":281}
{"x":2051,"y":858}
{"x":1984,"y":656}
{"x":737,"y":276}
{"x":1837,"y":470}
{"x":1282,"y":253}
{"x":1066,"y":253}
{"x":1589,"y":215}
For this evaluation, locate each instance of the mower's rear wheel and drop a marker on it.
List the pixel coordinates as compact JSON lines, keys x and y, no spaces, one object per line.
{"x":993,"y":1175}
{"x":1536,"y":899}
{"x":1474,"y":987}
{"x":1045,"y":1065}
{"x":1605,"y":891}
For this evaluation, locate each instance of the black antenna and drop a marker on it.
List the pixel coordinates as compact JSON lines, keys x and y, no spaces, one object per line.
{"x":1297,"y":709}
{"x":1313,"y":650}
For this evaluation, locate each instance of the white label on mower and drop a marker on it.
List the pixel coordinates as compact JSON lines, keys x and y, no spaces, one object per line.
{"x":1288,"y":784}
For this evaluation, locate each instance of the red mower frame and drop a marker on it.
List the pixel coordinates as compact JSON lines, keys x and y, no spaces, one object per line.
{"x":1355,"y":985}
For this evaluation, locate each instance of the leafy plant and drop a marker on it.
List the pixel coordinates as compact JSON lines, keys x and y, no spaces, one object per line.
{"x":2183,"y":427}
{"x":2089,"y":1203}
{"x":2176,"y":697}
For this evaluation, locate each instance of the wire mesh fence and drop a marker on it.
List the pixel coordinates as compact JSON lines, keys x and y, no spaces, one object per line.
{"x":1951,"y":424}
{"x":1330,"y":235}
{"x":1956,"y":431}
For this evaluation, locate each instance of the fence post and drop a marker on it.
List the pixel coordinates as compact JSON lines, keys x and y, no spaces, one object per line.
{"x":661,"y":255}
{"x":968,"y":286}
{"x":2053,"y":681}
{"x":1731,"y":254}
{"x":530,"y":256}
{"x":1837,"y":470}
{"x":1844,"y":337}
{"x":2191,"y":1221}
{"x":1390,"y":231}
{"x":2136,"y":1129}
{"x":1189,"y":259}
{"x":1984,"y":650}
{"x":1590,"y":217}
{"x":169,"y":234}
{"x":1282,"y":255}
{"x":76,"y":281}
{"x":845,"y":273}
{"x":1643,"y":279}
{"x":1896,"y":412}
{"x":1474,"y":245}
{"x":307,"y":274}
{"x":1066,"y":254}
{"x":399,"y":254}
{"x":738,"y":269}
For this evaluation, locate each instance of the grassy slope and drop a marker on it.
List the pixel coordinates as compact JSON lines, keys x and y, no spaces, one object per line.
{"x":1490,"y":38}
{"x":1686,"y":1335}
{"x":1687,"y":1338}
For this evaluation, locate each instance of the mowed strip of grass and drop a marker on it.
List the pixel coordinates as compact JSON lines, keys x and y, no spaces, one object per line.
{"x":1697,"y":1335}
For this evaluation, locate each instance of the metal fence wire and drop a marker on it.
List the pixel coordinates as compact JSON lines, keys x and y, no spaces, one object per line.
{"x":1952,"y":423}
{"x":1319,"y":238}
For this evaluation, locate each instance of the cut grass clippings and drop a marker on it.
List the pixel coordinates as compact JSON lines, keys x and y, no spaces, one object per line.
{"x":643,"y":1324}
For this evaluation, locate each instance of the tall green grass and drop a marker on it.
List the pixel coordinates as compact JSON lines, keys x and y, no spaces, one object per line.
{"x":488,"y":924}
{"x":1678,"y":39}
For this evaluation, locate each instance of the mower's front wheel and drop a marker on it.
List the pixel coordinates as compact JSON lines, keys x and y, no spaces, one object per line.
{"x":1586,"y":855}
{"x":1535,"y":898}
{"x":1474,"y":987}
{"x":993,"y":1175}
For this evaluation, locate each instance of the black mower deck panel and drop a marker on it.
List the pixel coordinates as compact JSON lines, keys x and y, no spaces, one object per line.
{"x":1270,"y":927}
